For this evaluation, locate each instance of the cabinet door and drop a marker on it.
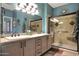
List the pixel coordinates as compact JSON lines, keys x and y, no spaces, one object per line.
{"x":12,"y":49}
{"x":44,"y":44}
{"x":29,"y":48}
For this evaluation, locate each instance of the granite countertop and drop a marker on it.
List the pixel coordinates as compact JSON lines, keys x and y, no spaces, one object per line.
{"x":21,"y":37}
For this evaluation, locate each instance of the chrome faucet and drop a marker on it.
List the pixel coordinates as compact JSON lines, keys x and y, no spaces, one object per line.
{"x":14,"y":34}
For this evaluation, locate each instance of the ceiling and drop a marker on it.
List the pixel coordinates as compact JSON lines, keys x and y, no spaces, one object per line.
{"x":11,"y":6}
{"x":54,"y":5}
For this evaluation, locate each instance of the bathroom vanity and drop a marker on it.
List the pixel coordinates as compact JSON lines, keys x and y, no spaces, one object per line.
{"x":17,"y":22}
{"x":25,"y":45}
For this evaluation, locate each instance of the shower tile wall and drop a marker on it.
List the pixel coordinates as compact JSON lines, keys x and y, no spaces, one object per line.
{"x":64,"y":32}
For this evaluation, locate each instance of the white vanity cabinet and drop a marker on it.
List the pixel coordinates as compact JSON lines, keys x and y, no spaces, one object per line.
{"x":35,"y":46}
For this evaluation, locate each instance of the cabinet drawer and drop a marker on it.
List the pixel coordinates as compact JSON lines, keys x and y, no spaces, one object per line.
{"x":38,"y":52}
{"x":38,"y":40}
{"x":37,"y":48}
{"x":38,"y":44}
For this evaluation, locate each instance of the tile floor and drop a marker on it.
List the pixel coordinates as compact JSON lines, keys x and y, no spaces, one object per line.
{"x":61,"y":52}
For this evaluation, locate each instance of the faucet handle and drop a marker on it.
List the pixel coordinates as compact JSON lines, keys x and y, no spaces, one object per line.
{"x":11,"y":35}
{"x":15,"y":35}
{"x":18,"y":34}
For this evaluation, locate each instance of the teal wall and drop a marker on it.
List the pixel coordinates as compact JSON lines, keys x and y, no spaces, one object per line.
{"x":21,"y":17}
{"x":72,"y":7}
{"x":44,"y":10}
{"x":41,"y":13}
{"x":49,"y":10}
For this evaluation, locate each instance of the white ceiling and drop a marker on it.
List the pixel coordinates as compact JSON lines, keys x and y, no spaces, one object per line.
{"x":54,"y":5}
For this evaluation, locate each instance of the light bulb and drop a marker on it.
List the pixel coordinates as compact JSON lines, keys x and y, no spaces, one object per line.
{"x":28,"y":8}
{"x":24,"y":4}
{"x":28,"y":12}
{"x":36,"y":12}
{"x":32,"y":13}
{"x":23,"y":10}
{"x":33,"y":10}
{"x":18,"y":8}
{"x":35,"y":6}
{"x":21,"y":5}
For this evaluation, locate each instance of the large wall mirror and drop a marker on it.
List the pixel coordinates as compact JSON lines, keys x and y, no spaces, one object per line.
{"x":15,"y":21}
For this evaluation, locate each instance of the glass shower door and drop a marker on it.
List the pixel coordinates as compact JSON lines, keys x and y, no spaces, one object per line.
{"x":64,"y":33}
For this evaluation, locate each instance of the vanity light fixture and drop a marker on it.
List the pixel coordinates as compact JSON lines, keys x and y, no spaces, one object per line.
{"x":29,"y":8}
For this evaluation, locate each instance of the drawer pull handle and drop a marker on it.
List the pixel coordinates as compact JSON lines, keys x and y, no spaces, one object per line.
{"x":21,"y":44}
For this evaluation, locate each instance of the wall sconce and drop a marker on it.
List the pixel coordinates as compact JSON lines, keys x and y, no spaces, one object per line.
{"x":29,"y":8}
